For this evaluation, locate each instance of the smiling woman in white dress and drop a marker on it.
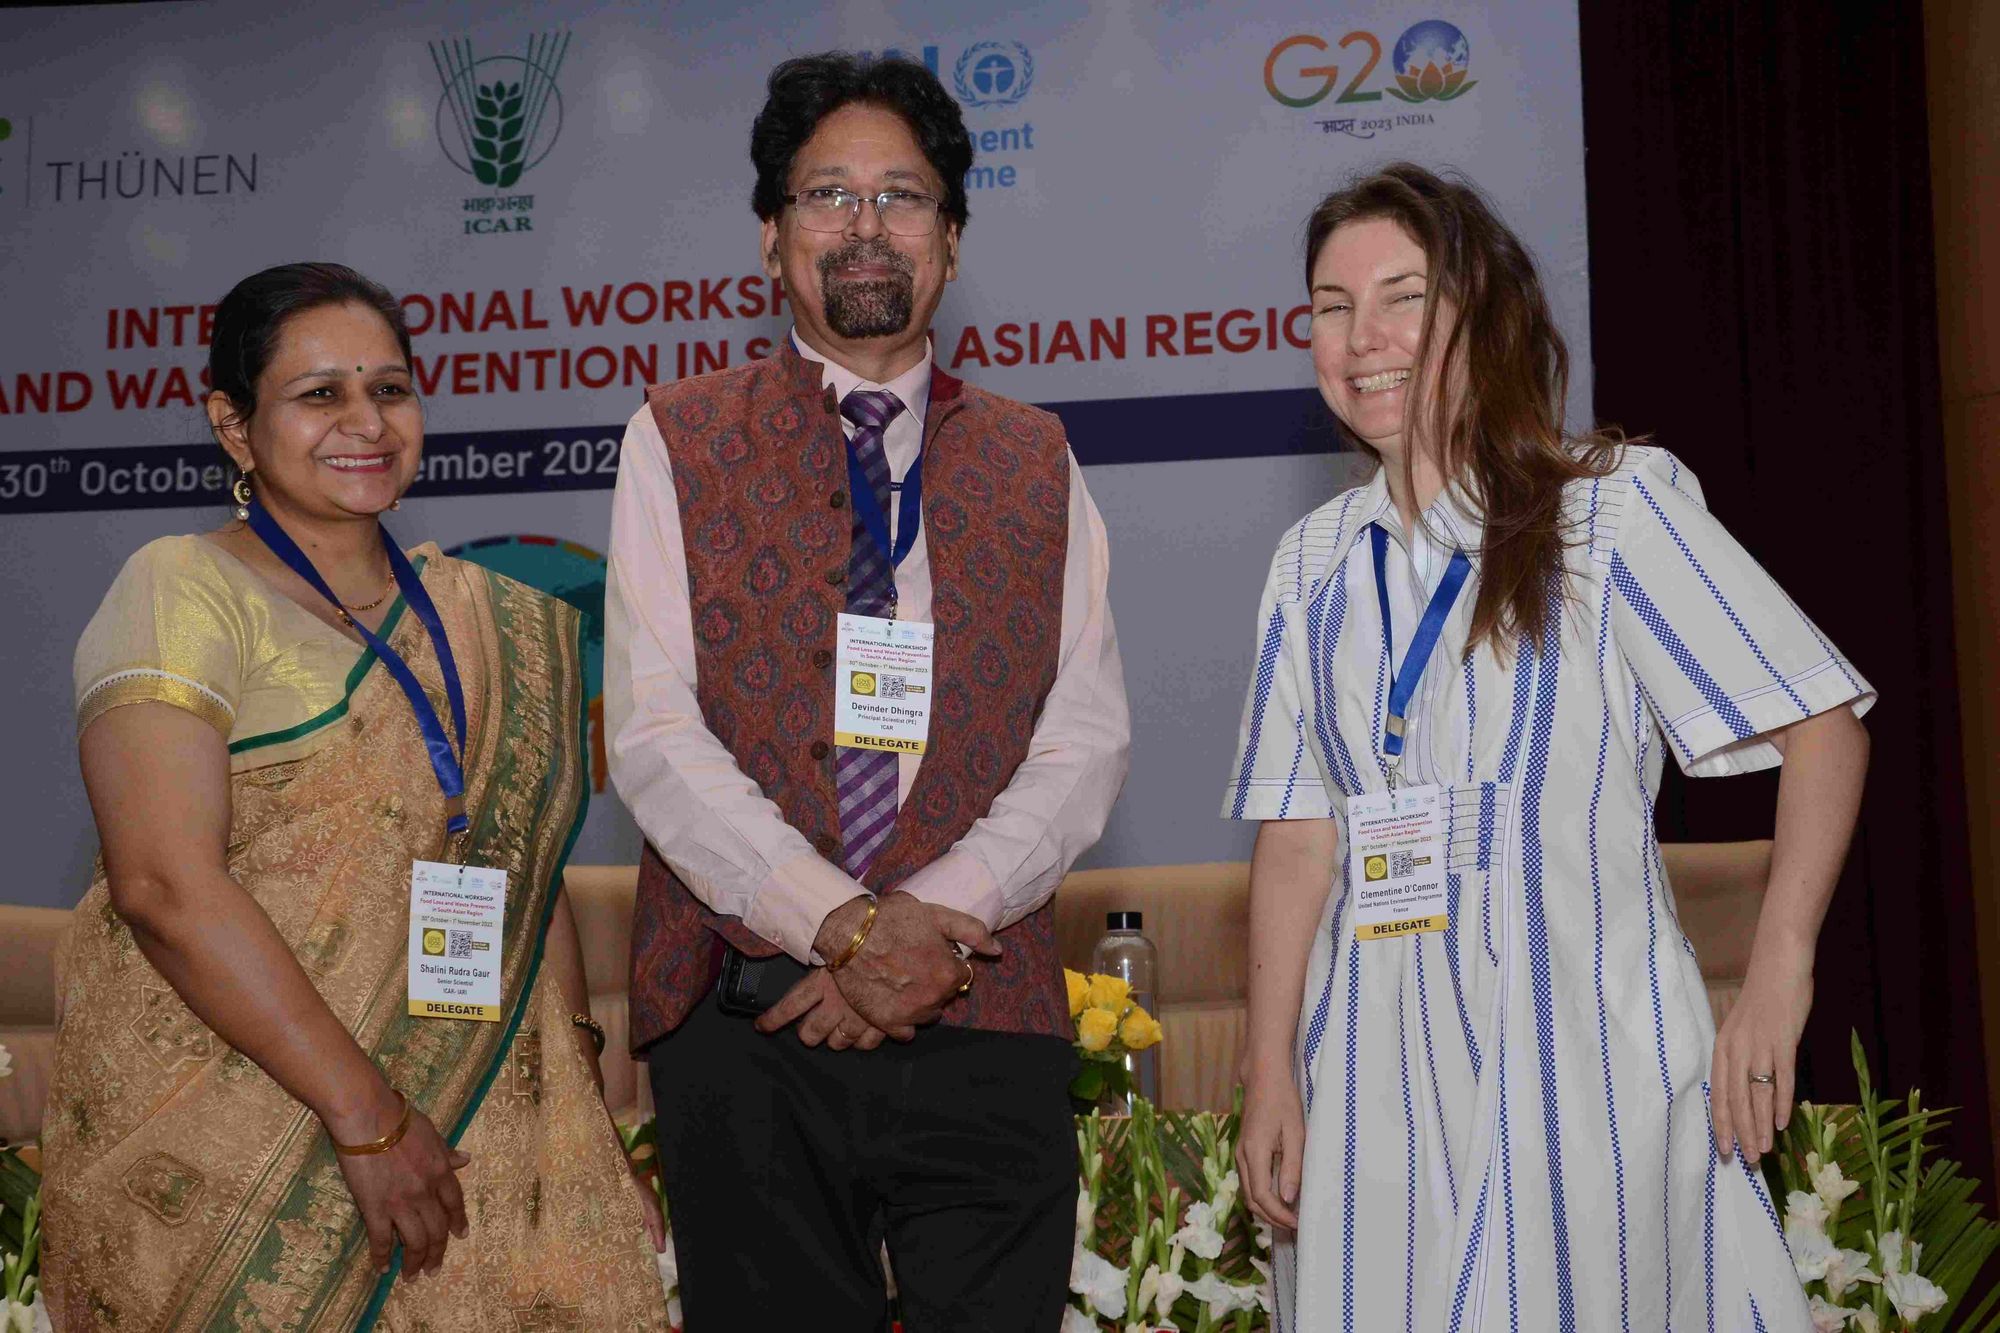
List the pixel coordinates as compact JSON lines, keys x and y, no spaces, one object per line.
{"x":1509,"y":1108}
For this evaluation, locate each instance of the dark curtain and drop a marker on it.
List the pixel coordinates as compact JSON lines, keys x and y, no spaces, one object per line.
{"x":1762,"y":303}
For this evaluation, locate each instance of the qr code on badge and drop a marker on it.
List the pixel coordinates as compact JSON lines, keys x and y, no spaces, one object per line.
{"x":892,"y":687}
{"x":460,"y":944}
{"x":1402,"y":865}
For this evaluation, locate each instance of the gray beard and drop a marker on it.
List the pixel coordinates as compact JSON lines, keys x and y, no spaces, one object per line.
{"x":876,"y":309}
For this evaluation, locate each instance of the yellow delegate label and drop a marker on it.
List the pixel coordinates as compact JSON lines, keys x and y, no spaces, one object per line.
{"x":1409,"y":925}
{"x":485,"y":1013}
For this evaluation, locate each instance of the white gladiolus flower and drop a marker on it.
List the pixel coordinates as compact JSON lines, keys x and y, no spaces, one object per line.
{"x":1222,"y":1298}
{"x":670,"y":1281}
{"x":1812,"y":1252}
{"x":1889,"y":1249}
{"x":1828,"y":1182}
{"x":1159,"y":1290}
{"x":1845,"y":1269}
{"x":16,"y":1317}
{"x":1807,"y":1211}
{"x":1913,"y":1296}
{"x":1828,"y":1318}
{"x":1263,"y":1233}
{"x":1267,"y":1295}
{"x":1076,"y":1321}
{"x":1086,"y":1214}
{"x":1098,"y":1281}
{"x":1866,"y":1320}
{"x":1201,"y":1234}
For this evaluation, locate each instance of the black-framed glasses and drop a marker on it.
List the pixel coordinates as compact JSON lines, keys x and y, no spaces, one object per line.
{"x":832,"y":208}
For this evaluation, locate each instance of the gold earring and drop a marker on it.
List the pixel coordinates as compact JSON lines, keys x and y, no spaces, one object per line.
{"x":395,"y":504}
{"x":243,"y":495}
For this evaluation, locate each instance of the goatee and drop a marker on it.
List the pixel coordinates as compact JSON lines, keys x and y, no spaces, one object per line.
{"x":868,"y":307}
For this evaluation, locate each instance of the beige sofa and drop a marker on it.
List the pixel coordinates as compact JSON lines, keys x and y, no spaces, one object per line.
{"x":1198,"y":916}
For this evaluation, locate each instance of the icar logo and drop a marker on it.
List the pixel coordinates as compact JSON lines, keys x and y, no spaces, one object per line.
{"x":499,"y":115}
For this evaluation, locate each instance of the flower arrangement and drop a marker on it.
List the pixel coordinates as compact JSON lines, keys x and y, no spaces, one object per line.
{"x":1109,"y":1027}
{"x":21,"y":1309}
{"x":642,"y":1147}
{"x":1881,"y":1242}
{"x":1163,"y":1240}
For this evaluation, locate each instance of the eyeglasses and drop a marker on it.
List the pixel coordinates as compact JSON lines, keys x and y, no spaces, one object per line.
{"x":830,"y":208}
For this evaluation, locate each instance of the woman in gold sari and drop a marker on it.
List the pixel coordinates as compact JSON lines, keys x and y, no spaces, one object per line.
{"x":282,"y":724}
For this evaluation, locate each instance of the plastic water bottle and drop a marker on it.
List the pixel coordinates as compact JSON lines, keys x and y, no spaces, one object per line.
{"x":1125,"y":953}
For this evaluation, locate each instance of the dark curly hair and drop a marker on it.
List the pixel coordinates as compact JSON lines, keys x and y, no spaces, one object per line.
{"x":249,"y":319}
{"x":807,"y":89}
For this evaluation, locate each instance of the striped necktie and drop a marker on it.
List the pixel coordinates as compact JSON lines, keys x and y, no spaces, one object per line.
{"x":865,"y":780}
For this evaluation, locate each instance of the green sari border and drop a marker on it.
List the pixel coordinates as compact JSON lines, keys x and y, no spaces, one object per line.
{"x":373,"y":1310}
{"x":337,"y":711}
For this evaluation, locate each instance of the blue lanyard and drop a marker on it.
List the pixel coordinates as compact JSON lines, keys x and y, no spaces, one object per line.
{"x":909,"y":513}
{"x":444,"y":762}
{"x":1422,"y":644}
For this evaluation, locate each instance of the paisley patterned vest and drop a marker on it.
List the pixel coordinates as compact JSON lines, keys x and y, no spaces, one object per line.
{"x":760,"y":464}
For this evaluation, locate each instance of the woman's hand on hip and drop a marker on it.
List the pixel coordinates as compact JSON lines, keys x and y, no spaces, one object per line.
{"x":409,"y":1193}
{"x":1756,"y":1052}
{"x":1270,"y":1150}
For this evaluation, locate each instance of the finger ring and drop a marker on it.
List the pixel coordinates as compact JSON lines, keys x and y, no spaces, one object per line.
{"x":1765,"y":1079}
{"x":966,"y":985}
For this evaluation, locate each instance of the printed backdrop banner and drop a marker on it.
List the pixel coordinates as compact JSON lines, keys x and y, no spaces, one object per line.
{"x":561,"y":193}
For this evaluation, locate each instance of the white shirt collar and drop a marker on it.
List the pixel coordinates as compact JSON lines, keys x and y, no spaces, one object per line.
{"x":1454,"y":518}
{"x":912,"y":388}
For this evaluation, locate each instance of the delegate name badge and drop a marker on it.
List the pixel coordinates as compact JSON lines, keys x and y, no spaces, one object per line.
{"x":882,"y":684}
{"x":457,"y":914}
{"x":1396,"y":857}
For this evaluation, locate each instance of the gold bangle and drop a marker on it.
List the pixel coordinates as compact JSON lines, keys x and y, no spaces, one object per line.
{"x":592,"y":1026}
{"x":381,"y":1145}
{"x":860,"y":937}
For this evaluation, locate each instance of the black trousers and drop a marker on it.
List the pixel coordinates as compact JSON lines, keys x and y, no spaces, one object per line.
{"x":787,"y":1167}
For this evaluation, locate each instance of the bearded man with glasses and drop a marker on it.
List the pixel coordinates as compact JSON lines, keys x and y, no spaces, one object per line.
{"x":865,"y":703}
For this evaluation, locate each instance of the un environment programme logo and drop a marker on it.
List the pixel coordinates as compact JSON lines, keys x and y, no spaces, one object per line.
{"x":993,"y":74}
{"x":497,"y":118}
{"x":569,"y":572}
{"x":989,"y":76}
{"x":1431,"y":62}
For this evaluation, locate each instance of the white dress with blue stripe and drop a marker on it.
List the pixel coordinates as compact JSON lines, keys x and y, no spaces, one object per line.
{"x":1507,"y":1121}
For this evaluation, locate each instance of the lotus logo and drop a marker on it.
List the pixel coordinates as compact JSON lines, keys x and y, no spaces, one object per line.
{"x":499,"y":115}
{"x":1431,"y":62}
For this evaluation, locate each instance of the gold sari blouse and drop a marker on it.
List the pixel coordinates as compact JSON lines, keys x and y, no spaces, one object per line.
{"x":188,"y":624}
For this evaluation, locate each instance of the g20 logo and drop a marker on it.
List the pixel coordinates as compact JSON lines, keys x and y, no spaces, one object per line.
{"x":1430,"y":62}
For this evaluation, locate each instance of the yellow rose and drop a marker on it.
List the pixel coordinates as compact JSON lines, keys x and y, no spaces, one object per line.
{"x":1095,"y":1028}
{"x":1109,"y":993}
{"x":1139,"y":1030}
{"x":1079,"y":991}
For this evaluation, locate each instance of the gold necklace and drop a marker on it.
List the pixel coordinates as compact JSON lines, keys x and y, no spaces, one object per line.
{"x":370,"y":606}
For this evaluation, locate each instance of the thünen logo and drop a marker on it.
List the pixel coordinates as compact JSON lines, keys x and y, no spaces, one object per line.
{"x":499,"y":115}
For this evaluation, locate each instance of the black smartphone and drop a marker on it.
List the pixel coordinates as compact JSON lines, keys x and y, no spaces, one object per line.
{"x":749,"y":985}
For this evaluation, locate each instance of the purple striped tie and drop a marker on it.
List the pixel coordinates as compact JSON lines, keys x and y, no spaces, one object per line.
{"x":865,"y":780}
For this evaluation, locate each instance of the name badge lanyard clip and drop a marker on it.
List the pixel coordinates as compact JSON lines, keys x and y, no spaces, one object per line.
{"x":1422,"y":644}
{"x":444,"y":760}
{"x":909,"y":513}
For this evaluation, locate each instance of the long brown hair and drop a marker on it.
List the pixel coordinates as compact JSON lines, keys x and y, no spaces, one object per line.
{"x":1502,"y":438}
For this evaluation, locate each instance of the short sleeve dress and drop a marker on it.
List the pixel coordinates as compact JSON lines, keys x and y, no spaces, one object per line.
{"x":1507,"y":1121}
